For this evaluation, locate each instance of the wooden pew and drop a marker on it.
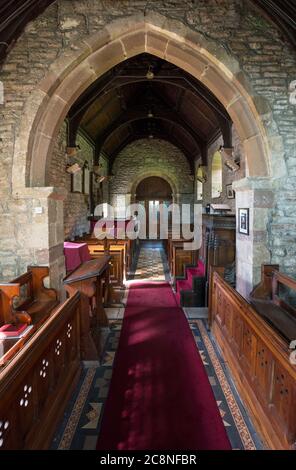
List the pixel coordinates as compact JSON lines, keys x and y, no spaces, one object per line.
{"x":91,"y":279}
{"x":178,"y":257}
{"x":274,"y":309}
{"x":258,"y":356}
{"x":129,"y":244}
{"x":116,"y":253}
{"x":36,"y":302}
{"x":129,"y":248}
{"x":118,"y":256}
{"x":37,"y":383}
{"x":122,"y":261}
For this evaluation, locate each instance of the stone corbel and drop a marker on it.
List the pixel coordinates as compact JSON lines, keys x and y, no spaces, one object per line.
{"x":228,"y":158}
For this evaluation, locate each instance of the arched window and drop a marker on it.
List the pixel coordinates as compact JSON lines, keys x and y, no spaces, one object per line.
{"x":216,"y":175}
{"x":199,"y":186}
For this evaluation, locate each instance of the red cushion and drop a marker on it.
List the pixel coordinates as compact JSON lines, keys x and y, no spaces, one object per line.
{"x":75,"y":255}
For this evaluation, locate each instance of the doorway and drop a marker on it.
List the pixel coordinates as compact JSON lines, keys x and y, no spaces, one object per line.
{"x":153,"y":193}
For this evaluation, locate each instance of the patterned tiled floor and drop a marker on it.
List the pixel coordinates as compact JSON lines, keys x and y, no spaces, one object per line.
{"x":81,"y":424}
{"x":238,"y":425}
{"x":150,"y":262}
{"x":150,"y":265}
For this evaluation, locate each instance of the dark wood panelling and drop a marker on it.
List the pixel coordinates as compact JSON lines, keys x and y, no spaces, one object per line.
{"x":258,"y":359}
{"x":36,"y":385}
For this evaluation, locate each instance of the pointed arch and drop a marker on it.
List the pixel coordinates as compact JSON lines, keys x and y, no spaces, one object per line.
{"x":77,"y":68}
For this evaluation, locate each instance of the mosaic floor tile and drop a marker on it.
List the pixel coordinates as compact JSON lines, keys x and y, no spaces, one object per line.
{"x":81,"y":424}
{"x":150,"y":263}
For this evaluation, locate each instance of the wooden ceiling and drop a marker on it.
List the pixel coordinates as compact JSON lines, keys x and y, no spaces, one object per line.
{"x":125,"y":105}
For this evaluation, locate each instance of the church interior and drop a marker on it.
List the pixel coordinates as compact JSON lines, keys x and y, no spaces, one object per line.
{"x":124,"y":325}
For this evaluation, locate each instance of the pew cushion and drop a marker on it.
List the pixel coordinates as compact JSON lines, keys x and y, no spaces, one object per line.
{"x":75,"y":255}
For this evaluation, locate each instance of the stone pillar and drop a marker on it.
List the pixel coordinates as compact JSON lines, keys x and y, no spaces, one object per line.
{"x":257,"y":195}
{"x":39,"y":231}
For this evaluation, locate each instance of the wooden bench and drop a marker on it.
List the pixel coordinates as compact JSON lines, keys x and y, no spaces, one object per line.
{"x":37,"y":383}
{"x":35,"y":302}
{"x":258,"y":354}
{"x":120,"y":267}
{"x":178,"y":257}
{"x":91,"y":279}
{"x":118,"y":253}
{"x":274,"y":309}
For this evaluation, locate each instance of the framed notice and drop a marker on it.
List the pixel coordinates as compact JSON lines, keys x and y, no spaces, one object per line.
{"x":243,"y":221}
{"x":76,"y":182}
{"x":230,"y":192}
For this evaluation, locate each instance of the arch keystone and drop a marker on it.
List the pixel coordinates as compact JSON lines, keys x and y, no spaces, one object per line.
{"x":156,"y":43}
{"x":134,"y":43}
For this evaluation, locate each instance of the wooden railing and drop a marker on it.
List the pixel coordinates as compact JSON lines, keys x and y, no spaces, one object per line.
{"x":259,"y":360}
{"x":36,"y":385}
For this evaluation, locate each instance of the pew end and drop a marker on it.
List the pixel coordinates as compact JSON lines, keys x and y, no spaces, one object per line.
{"x":26,"y":299}
{"x":264,"y":288}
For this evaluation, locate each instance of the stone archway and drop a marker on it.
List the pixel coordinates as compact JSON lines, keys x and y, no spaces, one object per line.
{"x":154,"y":187}
{"x":75,"y":70}
{"x":72,"y":73}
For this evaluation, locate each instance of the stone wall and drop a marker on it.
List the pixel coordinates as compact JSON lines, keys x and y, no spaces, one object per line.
{"x":228,"y":177}
{"x":151,"y":157}
{"x":266,"y":61}
{"x":76,"y":205}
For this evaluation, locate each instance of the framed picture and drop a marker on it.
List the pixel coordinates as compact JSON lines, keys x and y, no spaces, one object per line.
{"x":76,"y":182}
{"x":243,"y":221}
{"x":86,"y":180}
{"x":230,"y":192}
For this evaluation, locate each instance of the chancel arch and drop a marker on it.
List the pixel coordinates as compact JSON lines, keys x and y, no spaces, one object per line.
{"x":69,"y":77}
{"x":78,"y":68}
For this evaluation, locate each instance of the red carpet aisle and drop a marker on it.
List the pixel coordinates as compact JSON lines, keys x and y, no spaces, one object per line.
{"x":160,"y":397}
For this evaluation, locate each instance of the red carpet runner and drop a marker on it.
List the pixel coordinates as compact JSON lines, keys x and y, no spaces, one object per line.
{"x":160,"y":397}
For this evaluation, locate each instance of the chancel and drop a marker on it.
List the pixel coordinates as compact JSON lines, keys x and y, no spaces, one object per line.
{"x":147,"y":241}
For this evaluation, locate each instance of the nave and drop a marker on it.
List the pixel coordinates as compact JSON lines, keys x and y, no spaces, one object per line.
{"x":147,"y":224}
{"x":150,"y":396}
